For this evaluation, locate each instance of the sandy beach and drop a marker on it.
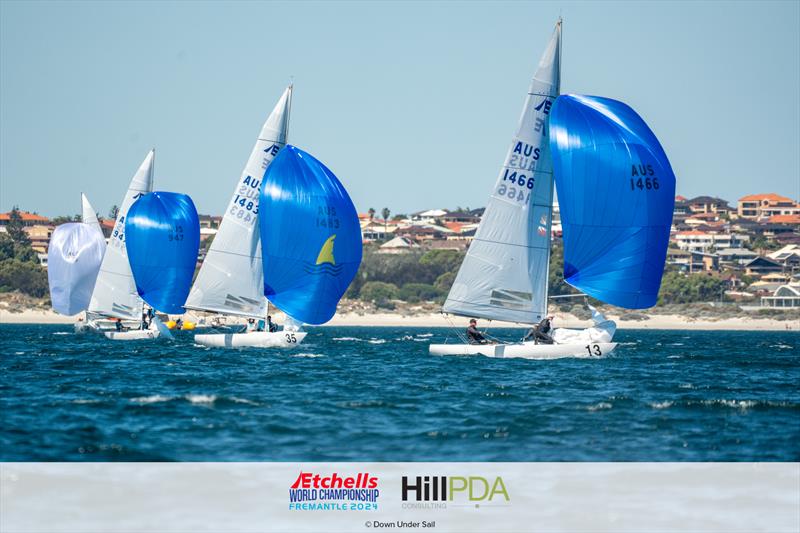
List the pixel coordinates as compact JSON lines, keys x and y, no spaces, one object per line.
{"x":438,"y":320}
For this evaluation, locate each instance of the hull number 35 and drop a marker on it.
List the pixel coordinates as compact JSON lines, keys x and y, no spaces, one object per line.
{"x":593,"y":349}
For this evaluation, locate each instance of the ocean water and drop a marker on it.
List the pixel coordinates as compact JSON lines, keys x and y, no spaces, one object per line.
{"x":374,"y":394}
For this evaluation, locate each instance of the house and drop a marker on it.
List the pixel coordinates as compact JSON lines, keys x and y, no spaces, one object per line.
{"x":398,"y":245}
{"x":760,"y":206}
{"x":736,"y":257}
{"x":708,"y":204}
{"x":209,"y":221}
{"x":788,"y":256}
{"x":39,"y":236}
{"x":783,"y":297}
{"x":28,"y":219}
{"x":761,"y":266}
{"x":704,"y":240}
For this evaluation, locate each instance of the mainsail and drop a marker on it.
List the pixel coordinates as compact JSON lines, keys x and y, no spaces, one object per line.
{"x":163,"y":237}
{"x":73,"y":261}
{"x":115,"y":292}
{"x":231,"y":279}
{"x":311,"y":240}
{"x":617,"y":192}
{"x":504,"y":274}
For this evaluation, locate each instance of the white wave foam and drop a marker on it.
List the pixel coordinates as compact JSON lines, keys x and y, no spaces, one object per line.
{"x":62,"y":333}
{"x":156,"y":398}
{"x":201,"y":398}
{"x":599,"y":406}
{"x":782,"y":346}
{"x":425,"y":335}
{"x":307,"y":354}
{"x":376,"y":341}
{"x":662,"y":405}
{"x":347,"y":339}
{"x":243,"y":400}
{"x":85,"y":401}
{"x":737,"y":404}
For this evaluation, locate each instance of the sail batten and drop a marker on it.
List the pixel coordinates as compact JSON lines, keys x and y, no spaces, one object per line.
{"x":114,"y":293}
{"x":231,"y":278}
{"x":504,"y":274}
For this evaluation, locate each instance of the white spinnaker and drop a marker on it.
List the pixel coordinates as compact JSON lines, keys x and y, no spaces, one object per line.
{"x":504,"y":274}
{"x":115,"y":292}
{"x":88,"y":214}
{"x":231,"y":279}
{"x":73,"y":261}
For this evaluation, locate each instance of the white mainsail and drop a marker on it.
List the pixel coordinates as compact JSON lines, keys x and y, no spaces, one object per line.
{"x":115,"y":292}
{"x":504,"y":274}
{"x":231,"y":279}
{"x":88,"y":214}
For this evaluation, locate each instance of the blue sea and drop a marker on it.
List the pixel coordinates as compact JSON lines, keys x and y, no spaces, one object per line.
{"x":374,"y":394}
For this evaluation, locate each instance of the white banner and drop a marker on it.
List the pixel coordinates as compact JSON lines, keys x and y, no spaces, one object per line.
{"x":463,"y":497}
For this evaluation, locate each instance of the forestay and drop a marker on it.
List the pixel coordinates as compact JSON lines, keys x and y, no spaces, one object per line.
{"x":73,"y":261}
{"x":231,"y":279}
{"x":163,"y":238}
{"x":311,"y":240}
{"x":616,"y":194}
{"x":114,"y":293}
{"x":504,"y":275}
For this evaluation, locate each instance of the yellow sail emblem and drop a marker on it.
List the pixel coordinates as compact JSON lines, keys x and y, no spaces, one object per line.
{"x":326,"y":252}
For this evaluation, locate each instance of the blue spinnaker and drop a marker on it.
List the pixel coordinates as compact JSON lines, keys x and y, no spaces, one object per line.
{"x":162,"y":234}
{"x":616,"y":192}
{"x":310,"y":236}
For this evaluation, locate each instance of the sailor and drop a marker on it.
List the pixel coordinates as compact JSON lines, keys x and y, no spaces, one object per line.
{"x":473,"y":335}
{"x":251,"y":324}
{"x":540,"y":333}
{"x":273,"y":327}
{"x":179,"y":324}
{"x":118,"y":324}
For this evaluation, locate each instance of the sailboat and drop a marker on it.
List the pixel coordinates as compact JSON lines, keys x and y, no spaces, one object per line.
{"x":310,"y":247}
{"x":114,"y":295}
{"x":74,"y":256}
{"x":231,"y":278}
{"x":614,"y":236}
{"x":162,"y":234}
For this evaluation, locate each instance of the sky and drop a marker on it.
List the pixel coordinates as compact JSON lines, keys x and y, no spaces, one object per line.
{"x":412,"y":105}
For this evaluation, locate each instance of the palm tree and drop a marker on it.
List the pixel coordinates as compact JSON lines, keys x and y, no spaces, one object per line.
{"x":385,"y":214}
{"x":113,"y":212}
{"x":371,"y":213}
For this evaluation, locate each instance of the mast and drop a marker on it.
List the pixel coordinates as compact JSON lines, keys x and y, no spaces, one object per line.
{"x":559,"y":30}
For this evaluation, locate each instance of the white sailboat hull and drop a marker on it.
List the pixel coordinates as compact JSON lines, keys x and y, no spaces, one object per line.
{"x":526,"y":350}
{"x":256,"y":339}
{"x":133,"y":335}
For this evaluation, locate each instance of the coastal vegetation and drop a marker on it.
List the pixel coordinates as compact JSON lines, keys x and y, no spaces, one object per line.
{"x":19,"y":265}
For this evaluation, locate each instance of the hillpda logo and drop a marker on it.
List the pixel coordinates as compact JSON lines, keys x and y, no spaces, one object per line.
{"x":435,"y":492}
{"x":332,"y":492}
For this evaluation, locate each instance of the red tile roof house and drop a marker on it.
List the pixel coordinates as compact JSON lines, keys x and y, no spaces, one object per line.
{"x":757,"y":206}
{"x":28,"y":219}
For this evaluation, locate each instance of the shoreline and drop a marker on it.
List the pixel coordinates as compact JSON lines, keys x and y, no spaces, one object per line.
{"x":436,"y":320}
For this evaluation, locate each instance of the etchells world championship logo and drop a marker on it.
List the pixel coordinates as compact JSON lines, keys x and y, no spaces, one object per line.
{"x":315,"y":492}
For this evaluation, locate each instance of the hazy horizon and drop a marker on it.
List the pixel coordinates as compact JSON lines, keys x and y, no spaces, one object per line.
{"x":403,"y":101}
